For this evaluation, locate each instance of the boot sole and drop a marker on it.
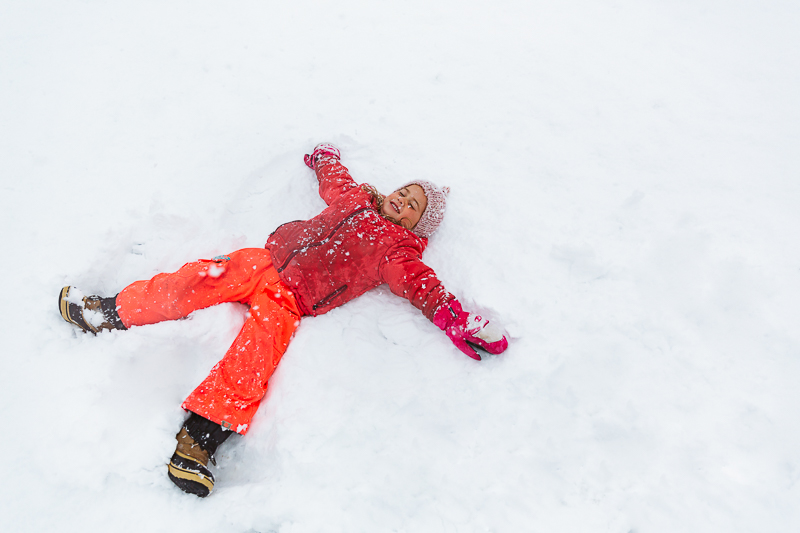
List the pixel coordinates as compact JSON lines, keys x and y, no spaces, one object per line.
{"x":190,"y":476}
{"x":71,"y":312}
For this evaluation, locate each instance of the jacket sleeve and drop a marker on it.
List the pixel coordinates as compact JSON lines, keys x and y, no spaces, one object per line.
{"x":334,"y":179}
{"x":407,"y":276}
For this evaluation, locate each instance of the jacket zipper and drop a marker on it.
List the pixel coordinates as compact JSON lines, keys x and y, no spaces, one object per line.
{"x":323,"y":241}
{"x":328,"y":298}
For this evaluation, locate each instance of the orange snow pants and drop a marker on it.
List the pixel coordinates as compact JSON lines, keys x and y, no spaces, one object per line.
{"x":231,"y":393}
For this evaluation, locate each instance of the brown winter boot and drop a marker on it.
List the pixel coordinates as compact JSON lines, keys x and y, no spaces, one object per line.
{"x":90,"y":313}
{"x":198,"y":440}
{"x":188,"y":468}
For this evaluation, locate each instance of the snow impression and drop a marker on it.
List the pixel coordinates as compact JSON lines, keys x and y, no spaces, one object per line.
{"x":624,"y":202}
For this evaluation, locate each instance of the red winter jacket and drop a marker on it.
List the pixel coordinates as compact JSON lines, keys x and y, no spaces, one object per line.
{"x":349,"y":249}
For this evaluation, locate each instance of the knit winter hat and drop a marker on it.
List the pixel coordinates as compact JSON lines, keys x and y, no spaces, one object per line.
{"x":434,"y":212}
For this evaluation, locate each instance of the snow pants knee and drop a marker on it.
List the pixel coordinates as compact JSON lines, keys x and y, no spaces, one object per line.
{"x":231,"y":393}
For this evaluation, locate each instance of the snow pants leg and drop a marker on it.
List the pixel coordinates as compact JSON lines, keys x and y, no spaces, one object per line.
{"x":231,"y":393}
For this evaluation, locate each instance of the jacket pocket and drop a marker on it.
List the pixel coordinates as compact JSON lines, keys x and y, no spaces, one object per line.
{"x":329,"y":298}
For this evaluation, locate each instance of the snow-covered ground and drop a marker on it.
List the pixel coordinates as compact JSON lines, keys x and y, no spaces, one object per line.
{"x":626,"y":200}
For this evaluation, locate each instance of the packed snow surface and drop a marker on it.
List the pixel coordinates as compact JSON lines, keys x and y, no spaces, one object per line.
{"x":625,"y":201}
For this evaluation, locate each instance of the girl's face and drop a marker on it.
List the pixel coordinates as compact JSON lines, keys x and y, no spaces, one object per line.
{"x":405,"y":206}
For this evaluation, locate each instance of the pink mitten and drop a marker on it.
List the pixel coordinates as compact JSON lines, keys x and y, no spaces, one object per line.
{"x":321,"y":150}
{"x":464,"y":329}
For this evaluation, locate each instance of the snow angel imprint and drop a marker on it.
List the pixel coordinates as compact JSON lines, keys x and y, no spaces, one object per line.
{"x":308,"y":267}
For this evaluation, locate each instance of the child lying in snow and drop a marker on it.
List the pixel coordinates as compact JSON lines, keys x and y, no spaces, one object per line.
{"x":308,"y":267}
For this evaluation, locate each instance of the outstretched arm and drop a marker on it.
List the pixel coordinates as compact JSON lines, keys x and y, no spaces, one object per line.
{"x":334,"y":178}
{"x":410,"y":278}
{"x":407,"y":276}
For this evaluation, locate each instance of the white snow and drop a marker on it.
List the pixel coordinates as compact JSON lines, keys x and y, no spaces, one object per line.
{"x":216,"y":271}
{"x":624,"y":201}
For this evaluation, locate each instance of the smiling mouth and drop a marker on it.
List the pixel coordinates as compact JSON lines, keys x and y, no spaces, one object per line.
{"x":395,"y":206}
